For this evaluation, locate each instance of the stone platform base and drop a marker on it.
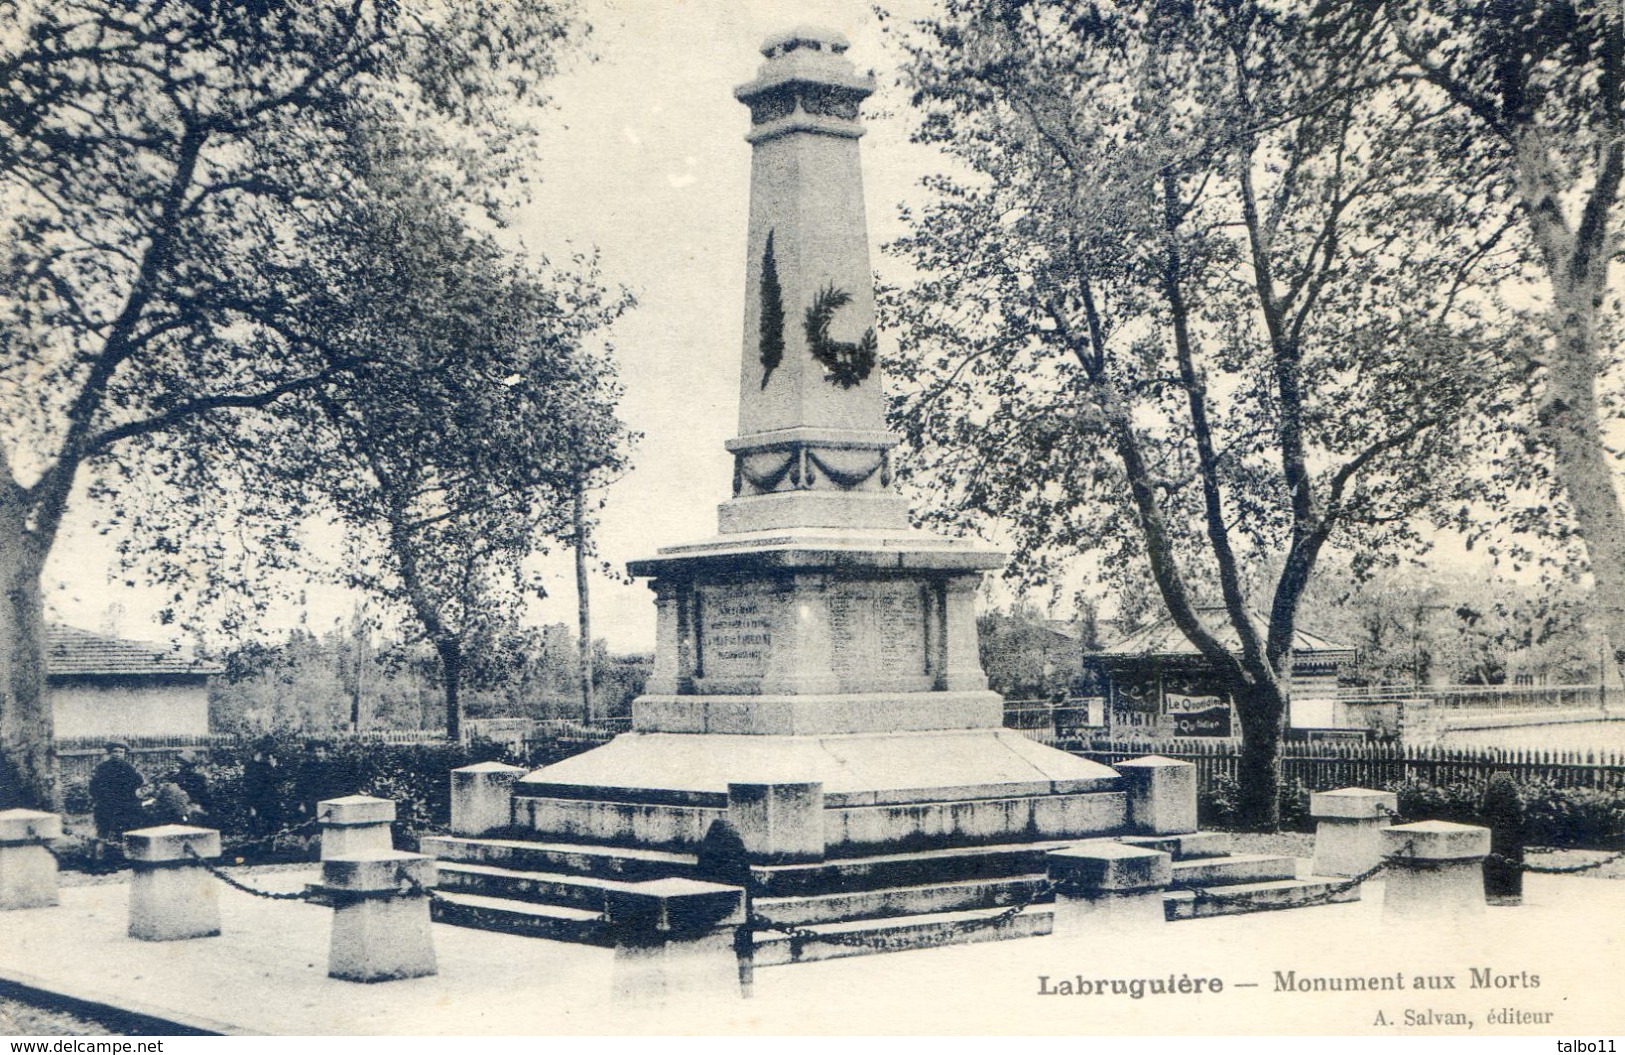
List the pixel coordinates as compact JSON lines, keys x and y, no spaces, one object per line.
{"x":874,"y":793}
{"x":854,"y":769}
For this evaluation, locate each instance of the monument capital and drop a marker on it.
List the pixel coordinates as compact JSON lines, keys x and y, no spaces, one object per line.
{"x":806,"y":85}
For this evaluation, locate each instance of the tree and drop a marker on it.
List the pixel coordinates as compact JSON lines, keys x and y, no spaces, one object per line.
{"x":175,"y":179}
{"x":1416,"y":626}
{"x":1025,"y":658}
{"x":1195,"y":307}
{"x":457,"y":452}
{"x":1541,"y":85}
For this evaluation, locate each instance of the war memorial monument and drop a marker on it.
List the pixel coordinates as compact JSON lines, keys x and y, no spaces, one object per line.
{"x":817,"y":683}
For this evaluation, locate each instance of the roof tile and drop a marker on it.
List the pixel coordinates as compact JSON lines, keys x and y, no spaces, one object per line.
{"x":70,"y":651}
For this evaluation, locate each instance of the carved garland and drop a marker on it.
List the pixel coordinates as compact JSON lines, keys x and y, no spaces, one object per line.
{"x":770,"y":480}
{"x":800,"y":466}
{"x":848,"y":480}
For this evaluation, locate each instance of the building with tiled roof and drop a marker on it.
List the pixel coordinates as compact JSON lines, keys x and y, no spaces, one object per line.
{"x":1159,"y":682}
{"x":108,"y":687}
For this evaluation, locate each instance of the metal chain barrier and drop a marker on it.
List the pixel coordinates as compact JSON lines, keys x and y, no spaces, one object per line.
{"x":1318,"y":898}
{"x":413,"y":887}
{"x":1525,"y":866}
{"x":1555,"y":869}
{"x":801,"y":935}
{"x":280,"y":833}
{"x":236,"y":884}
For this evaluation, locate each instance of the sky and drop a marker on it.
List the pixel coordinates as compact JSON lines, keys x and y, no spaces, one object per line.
{"x":644,"y":159}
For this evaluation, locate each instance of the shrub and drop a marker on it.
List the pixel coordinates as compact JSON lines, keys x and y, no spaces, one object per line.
{"x":1295,"y":815}
{"x":1216,"y":803}
{"x":270,"y":785}
{"x":1420,"y":800}
{"x":76,"y":797}
{"x":1553,"y":815}
{"x":1573,"y":817}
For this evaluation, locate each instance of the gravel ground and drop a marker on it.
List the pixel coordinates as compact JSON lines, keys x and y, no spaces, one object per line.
{"x":18,"y":1019}
{"x":21,"y":1018}
{"x":27,"y":1018}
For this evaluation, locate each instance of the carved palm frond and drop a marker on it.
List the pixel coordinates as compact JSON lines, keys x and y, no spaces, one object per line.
{"x":771,"y":327}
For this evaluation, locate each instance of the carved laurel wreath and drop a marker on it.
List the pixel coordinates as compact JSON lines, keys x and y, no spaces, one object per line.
{"x":846,"y":363}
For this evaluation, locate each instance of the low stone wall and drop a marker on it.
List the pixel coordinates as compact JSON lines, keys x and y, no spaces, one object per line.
{"x":973,"y":822}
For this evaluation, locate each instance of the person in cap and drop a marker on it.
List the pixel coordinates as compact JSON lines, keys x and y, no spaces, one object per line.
{"x":115,"y":793}
{"x":190,"y":778}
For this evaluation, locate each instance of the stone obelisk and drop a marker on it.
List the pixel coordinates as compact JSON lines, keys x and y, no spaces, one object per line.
{"x":813,"y":450}
{"x":816,"y":638}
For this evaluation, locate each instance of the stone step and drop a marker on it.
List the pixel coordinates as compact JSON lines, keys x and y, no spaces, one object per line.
{"x":1182,"y":847}
{"x":628,"y":864}
{"x":1236,"y":868}
{"x":895,"y":935}
{"x":1257,"y":897}
{"x":558,"y":922}
{"x":547,"y":888}
{"x":587,"y":892}
{"x":919,"y":868}
{"x":898,"y":901}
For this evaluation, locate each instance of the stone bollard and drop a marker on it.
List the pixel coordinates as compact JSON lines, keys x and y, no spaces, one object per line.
{"x":27,"y":869}
{"x":779,"y":823}
{"x":1503,"y":811}
{"x":1348,"y":832}
{"x":1161,"y":795}
{"x":172,"y":896}
{"x":1435,"y":869}
{"x":482,"y":797}
{"x":674,"y":937}
{"x":355,"y":824}
{"x":381,"y":928}
{"x":1106,"y":888}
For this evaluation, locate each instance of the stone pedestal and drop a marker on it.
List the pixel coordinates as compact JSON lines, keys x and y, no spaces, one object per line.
{"x":381,"y":928}
{"x":355,"y":824}
{"x":1435,"y":870}
{"x":1107,"y":889}
{"x":27,"y":869}
{"x":172,"y":896}
{"x":779,"y":823}
{"x":1348,"y":832}
{"x":675,"y":937}
{"x":482,"y":797}
{"x":1161,"y":795}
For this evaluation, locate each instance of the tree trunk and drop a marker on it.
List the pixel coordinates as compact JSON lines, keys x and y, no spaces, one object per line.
{"x":584,"y":608}
{"x":1570,"y":424}
{"x":451,"y":672}
{"x":1262,"y":711}
{"x":359,"y":640}
{"x":27,"y":732}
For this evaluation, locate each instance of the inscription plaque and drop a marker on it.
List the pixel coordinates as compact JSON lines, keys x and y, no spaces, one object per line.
{"x":878,"y":630}
{"x":737,"y":629}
